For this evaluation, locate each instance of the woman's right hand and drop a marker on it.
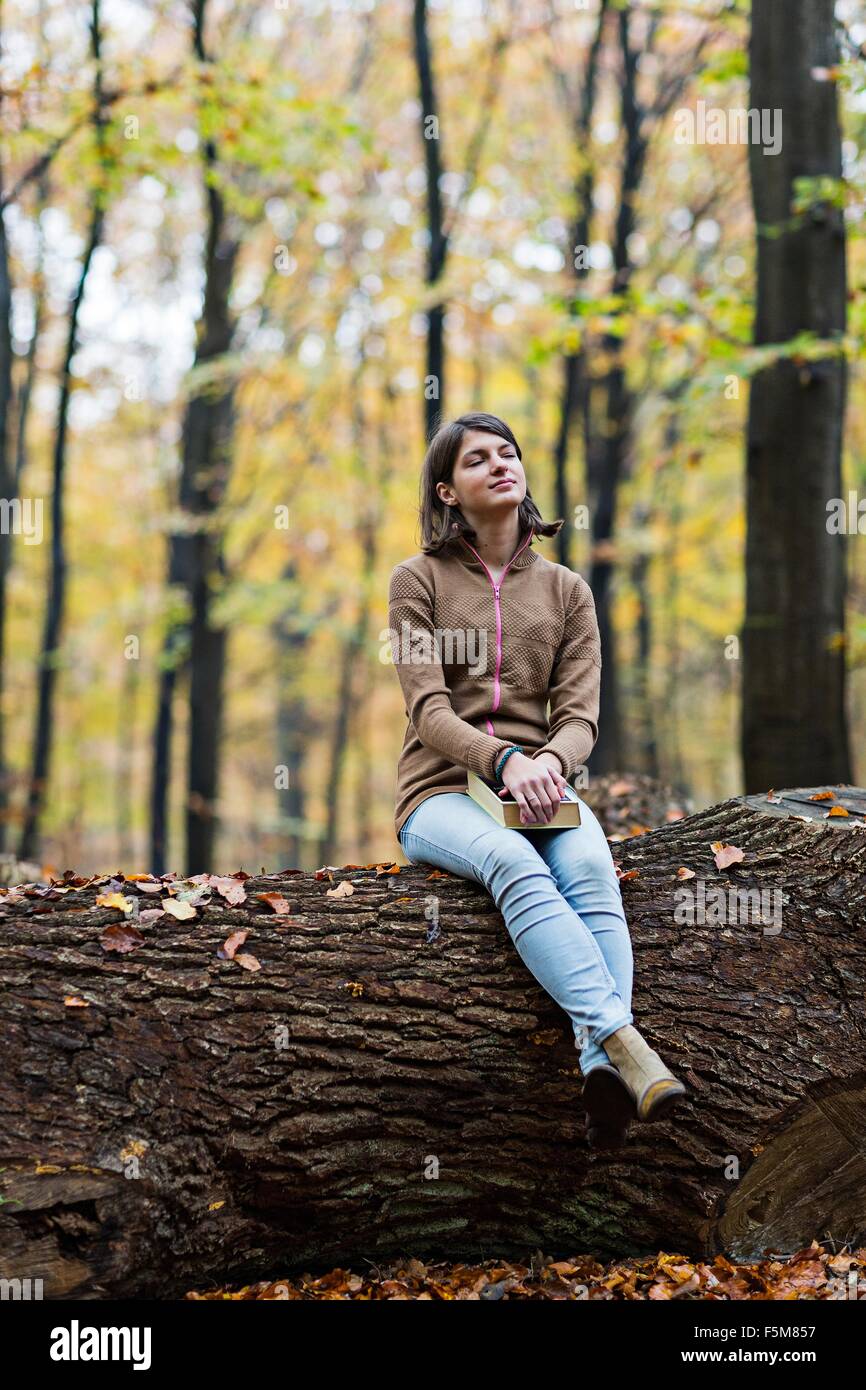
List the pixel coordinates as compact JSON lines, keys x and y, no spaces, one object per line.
{"x":536,"y":787}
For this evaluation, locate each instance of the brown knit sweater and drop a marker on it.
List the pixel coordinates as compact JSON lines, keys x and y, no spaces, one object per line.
{"x":463,"y":705}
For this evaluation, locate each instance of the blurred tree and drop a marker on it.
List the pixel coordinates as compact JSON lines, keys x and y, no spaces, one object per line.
{"x":794,"y":725}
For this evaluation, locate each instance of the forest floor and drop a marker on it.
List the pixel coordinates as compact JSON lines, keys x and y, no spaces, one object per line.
{"x":815,"y":1272}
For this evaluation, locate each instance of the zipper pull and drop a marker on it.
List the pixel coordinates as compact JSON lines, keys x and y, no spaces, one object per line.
{"x":496,"y":590}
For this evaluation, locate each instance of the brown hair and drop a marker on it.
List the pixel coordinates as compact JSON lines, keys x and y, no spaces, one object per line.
{"x":442,"y":525}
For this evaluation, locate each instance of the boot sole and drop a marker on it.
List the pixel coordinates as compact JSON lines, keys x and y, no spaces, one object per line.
{"x":608,"y":1099}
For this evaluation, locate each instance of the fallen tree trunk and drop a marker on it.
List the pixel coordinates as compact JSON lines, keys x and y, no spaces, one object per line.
{"x":392,"y":1080}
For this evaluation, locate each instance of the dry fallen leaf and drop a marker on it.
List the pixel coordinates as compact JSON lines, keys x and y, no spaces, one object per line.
{"x":120,"y":936}
{"x":182,"y":911}
{"x":726,"y":855}
{"x":231,"y":944}
{"x":115,"y":900}
{"x":72,"y":1001}
{"x":343,"y":890}
{"x":683,"y":872}
{"x":232,"y":889}
{"x":248,"y":962}
{"x":278,"y":904}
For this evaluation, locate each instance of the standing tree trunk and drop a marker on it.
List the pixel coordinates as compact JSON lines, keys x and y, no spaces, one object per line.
{"x":294,"y":727}
{"x":438,"y":243}
{"x":392,"y":1079}
{"x":794,"y":725}
{"x":606,"y":456}
{"x":573,"y":363}
{"x":8,"y":489}
{"x":196,"y":558}
{"x":55,"y":604}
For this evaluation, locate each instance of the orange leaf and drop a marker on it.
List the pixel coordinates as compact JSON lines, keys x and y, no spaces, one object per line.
{"x":231,"y":944}
{"x":278,"y":904}
{"x":248,"y":962}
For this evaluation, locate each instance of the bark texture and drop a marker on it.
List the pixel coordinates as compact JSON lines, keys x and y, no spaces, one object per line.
{"x":393,"y":1080}
{"x":794,"y":721}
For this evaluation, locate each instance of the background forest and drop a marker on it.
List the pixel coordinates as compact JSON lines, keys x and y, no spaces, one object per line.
{"x":250,"y":251}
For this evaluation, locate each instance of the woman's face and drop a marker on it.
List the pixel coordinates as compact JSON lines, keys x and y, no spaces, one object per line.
{"x":478,"y":485}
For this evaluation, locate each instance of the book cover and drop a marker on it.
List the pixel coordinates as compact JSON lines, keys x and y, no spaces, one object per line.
{"x":506,"y":812}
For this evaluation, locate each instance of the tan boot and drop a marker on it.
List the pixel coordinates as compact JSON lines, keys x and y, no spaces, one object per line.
{"x":656,"y":1090}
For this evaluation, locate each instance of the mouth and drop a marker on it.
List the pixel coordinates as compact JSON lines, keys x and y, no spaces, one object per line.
{"x":503,"y":483}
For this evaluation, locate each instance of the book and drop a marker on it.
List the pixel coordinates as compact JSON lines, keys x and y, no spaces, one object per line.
{"x":506,"y":811}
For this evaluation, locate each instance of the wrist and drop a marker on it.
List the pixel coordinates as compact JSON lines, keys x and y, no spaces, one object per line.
{"x":514,"y":750}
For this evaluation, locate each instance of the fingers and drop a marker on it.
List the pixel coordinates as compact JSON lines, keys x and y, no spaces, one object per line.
{"x":542,"y":798}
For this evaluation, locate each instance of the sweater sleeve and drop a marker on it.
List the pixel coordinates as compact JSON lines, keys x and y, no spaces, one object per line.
{"x":575,"y":684}
{"x":428,"y":699}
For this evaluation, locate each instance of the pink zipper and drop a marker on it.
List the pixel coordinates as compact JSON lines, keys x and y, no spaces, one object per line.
{"x":496,"y":588}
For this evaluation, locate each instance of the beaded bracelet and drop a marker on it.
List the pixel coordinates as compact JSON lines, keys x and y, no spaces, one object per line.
{"x":515,"y":748}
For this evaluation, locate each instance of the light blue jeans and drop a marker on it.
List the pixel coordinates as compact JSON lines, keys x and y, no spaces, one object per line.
{"x":560,"y":899}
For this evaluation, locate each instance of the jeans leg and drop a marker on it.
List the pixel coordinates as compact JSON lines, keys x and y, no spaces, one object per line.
{"x":580,"y":859}
{"x":452,"y":832}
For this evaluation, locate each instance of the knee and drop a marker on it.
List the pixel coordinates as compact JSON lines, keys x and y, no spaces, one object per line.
{"x":505,"y":859}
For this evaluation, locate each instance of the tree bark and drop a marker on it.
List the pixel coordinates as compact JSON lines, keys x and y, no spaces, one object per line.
{"x":793,"y":712}
{"x":393,"y":1079}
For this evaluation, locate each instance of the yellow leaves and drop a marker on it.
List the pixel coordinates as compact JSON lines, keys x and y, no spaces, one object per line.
{"x":136,"y":1148}
{"x":215,"y":1206}
{"x":181,"y":911}
{"x":725,"y":855}
{"x":355,"y":986}
{"x":117,"y":900}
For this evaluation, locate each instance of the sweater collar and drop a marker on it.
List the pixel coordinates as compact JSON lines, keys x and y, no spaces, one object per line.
{"x":526,"y":556}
